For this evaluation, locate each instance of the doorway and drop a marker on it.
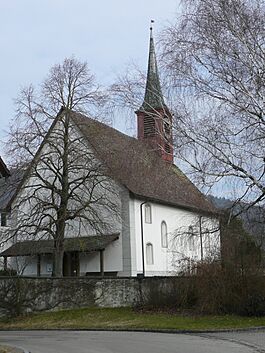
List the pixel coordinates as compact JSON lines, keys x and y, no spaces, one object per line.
{"x":71,"y":265}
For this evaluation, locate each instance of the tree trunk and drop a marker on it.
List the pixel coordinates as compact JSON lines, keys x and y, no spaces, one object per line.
{"x":58,"y":262}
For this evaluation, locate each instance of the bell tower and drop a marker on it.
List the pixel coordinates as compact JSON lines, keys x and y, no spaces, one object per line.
{"x":154,"y":120}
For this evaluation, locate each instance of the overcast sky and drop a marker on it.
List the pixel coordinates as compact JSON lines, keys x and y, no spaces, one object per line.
{"x":36,"y":34}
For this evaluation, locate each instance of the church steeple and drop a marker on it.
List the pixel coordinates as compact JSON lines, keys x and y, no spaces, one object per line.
{"x":154,"y":118}
{"x":153,"y":98}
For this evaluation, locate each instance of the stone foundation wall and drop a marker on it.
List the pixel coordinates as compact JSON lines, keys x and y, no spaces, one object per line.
{"x":24,"y":294}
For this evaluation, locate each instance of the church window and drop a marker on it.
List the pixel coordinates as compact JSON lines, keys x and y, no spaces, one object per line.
{"x":191,"y":239}
{"x":149,"y":126}
{"x":148,"y":213}
{"x":207,"y":239}
{"x":149,"y":254}
{"x":164,"y":240}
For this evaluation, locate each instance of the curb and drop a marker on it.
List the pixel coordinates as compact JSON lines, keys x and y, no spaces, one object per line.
{"x":116,"y":329}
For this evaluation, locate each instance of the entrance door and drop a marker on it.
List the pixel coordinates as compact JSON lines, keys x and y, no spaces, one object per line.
{"x":71,"y":264}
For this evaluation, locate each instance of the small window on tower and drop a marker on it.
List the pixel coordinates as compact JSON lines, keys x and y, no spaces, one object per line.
{"x":167,"y":148}
{"x":167,"y":127}
{"x":149,"y":126}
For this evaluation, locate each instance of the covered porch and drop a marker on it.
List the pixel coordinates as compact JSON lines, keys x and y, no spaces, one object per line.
{"x":42,"y":252}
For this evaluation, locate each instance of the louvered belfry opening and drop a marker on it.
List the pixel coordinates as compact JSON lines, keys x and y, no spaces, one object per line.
{"x":149,"y":125}
{"x":167,"y":148}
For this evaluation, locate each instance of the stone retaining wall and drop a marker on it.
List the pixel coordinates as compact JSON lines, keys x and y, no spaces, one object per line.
{"x":24,"y":294}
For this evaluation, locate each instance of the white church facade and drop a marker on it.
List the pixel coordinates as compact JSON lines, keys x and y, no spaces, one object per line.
{"x":163,"y":223}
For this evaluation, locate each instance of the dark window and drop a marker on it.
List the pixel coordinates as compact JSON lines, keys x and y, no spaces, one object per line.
{"x":3,"y":219}
{"x":167,"y":148}
{"x":167,"y":128}
{"x":149,"y":126}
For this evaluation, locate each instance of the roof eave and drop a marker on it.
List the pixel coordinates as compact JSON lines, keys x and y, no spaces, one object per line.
{"x":198,"y":210}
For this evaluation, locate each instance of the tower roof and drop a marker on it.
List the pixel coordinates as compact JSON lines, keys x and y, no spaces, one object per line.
{"x":153,"y":98}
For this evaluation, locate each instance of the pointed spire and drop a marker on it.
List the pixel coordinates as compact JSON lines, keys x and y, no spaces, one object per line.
{"x":153,"y":98}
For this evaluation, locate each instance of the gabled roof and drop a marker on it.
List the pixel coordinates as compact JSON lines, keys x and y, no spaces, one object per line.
{"x":80,"y":244}
{"x":9,"y":188}
{"x":133,"y":164}
{"x":142,"y":171}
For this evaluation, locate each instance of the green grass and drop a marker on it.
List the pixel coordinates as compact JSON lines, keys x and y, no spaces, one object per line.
{"x":5,"y":349}
{"x":126,"y":318}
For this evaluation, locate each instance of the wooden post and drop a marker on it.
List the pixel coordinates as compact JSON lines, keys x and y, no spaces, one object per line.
{"x":101,"y":259}
{"x":38,"y":264}
{"x":5,"y":263}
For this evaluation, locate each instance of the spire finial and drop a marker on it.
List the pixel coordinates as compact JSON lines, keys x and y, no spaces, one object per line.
{"x":151,"y":28}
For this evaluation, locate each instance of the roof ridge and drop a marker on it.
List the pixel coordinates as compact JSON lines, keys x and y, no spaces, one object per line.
{"x":103,"y":124}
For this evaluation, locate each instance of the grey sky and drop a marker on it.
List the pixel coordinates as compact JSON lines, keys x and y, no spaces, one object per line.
{"x":36,"y":34}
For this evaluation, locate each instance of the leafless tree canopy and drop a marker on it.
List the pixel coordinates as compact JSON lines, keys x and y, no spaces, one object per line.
{"x":215,"y":60}
{"x":70,"y":85}
{"x":65,"y":190}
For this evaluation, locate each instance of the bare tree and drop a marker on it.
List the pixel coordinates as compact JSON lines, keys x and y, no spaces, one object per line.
{"x":69,"y":85}
{"x":196,"y":243}
{"x":213,"y":78}
{"x":65,"y":189}
{"x":215,"y":60}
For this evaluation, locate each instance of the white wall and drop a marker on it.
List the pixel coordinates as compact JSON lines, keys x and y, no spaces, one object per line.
{"x":81,"y":227}
{"x":112,"y":259}
{"x":168,"y":261}
{"x":89,"y":262}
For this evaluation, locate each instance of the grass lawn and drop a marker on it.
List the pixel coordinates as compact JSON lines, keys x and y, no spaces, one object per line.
{"x":4,"y":349}
{"x":126,"y":318}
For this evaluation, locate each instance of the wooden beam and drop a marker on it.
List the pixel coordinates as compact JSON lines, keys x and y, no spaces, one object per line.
{"x":101,"y":259}
{"x":38,"y":265}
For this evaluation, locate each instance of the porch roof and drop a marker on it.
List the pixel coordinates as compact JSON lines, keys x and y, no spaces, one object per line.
{"x":80,"y":244}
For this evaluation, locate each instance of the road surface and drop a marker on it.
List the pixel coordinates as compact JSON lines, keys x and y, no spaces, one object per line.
{"x":131,"y":342}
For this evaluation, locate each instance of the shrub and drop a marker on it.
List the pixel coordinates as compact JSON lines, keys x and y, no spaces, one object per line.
{"x":8,"y":272}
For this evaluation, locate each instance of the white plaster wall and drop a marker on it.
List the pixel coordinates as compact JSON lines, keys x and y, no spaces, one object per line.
{"x":75,"y":228}
{"x":90,"y":262}
{"x":168,"y":261}
{"x":27,"y":265}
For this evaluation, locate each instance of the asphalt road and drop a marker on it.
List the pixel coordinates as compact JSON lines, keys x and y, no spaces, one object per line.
{"x":130,"y":342}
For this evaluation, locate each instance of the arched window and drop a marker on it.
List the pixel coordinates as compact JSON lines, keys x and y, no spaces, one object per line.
{"x":149,"y":254}
{"x":207,"y":239}
{"x":191,"y":238}
{"x":148,"y":213}
{"x":164,"y":240}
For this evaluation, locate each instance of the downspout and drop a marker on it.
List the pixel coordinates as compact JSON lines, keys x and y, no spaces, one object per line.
{"x":201,"y":239}
{"x":142,"y":234}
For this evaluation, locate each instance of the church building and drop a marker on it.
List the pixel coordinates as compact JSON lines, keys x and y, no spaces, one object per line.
{"x":164,"y":223}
